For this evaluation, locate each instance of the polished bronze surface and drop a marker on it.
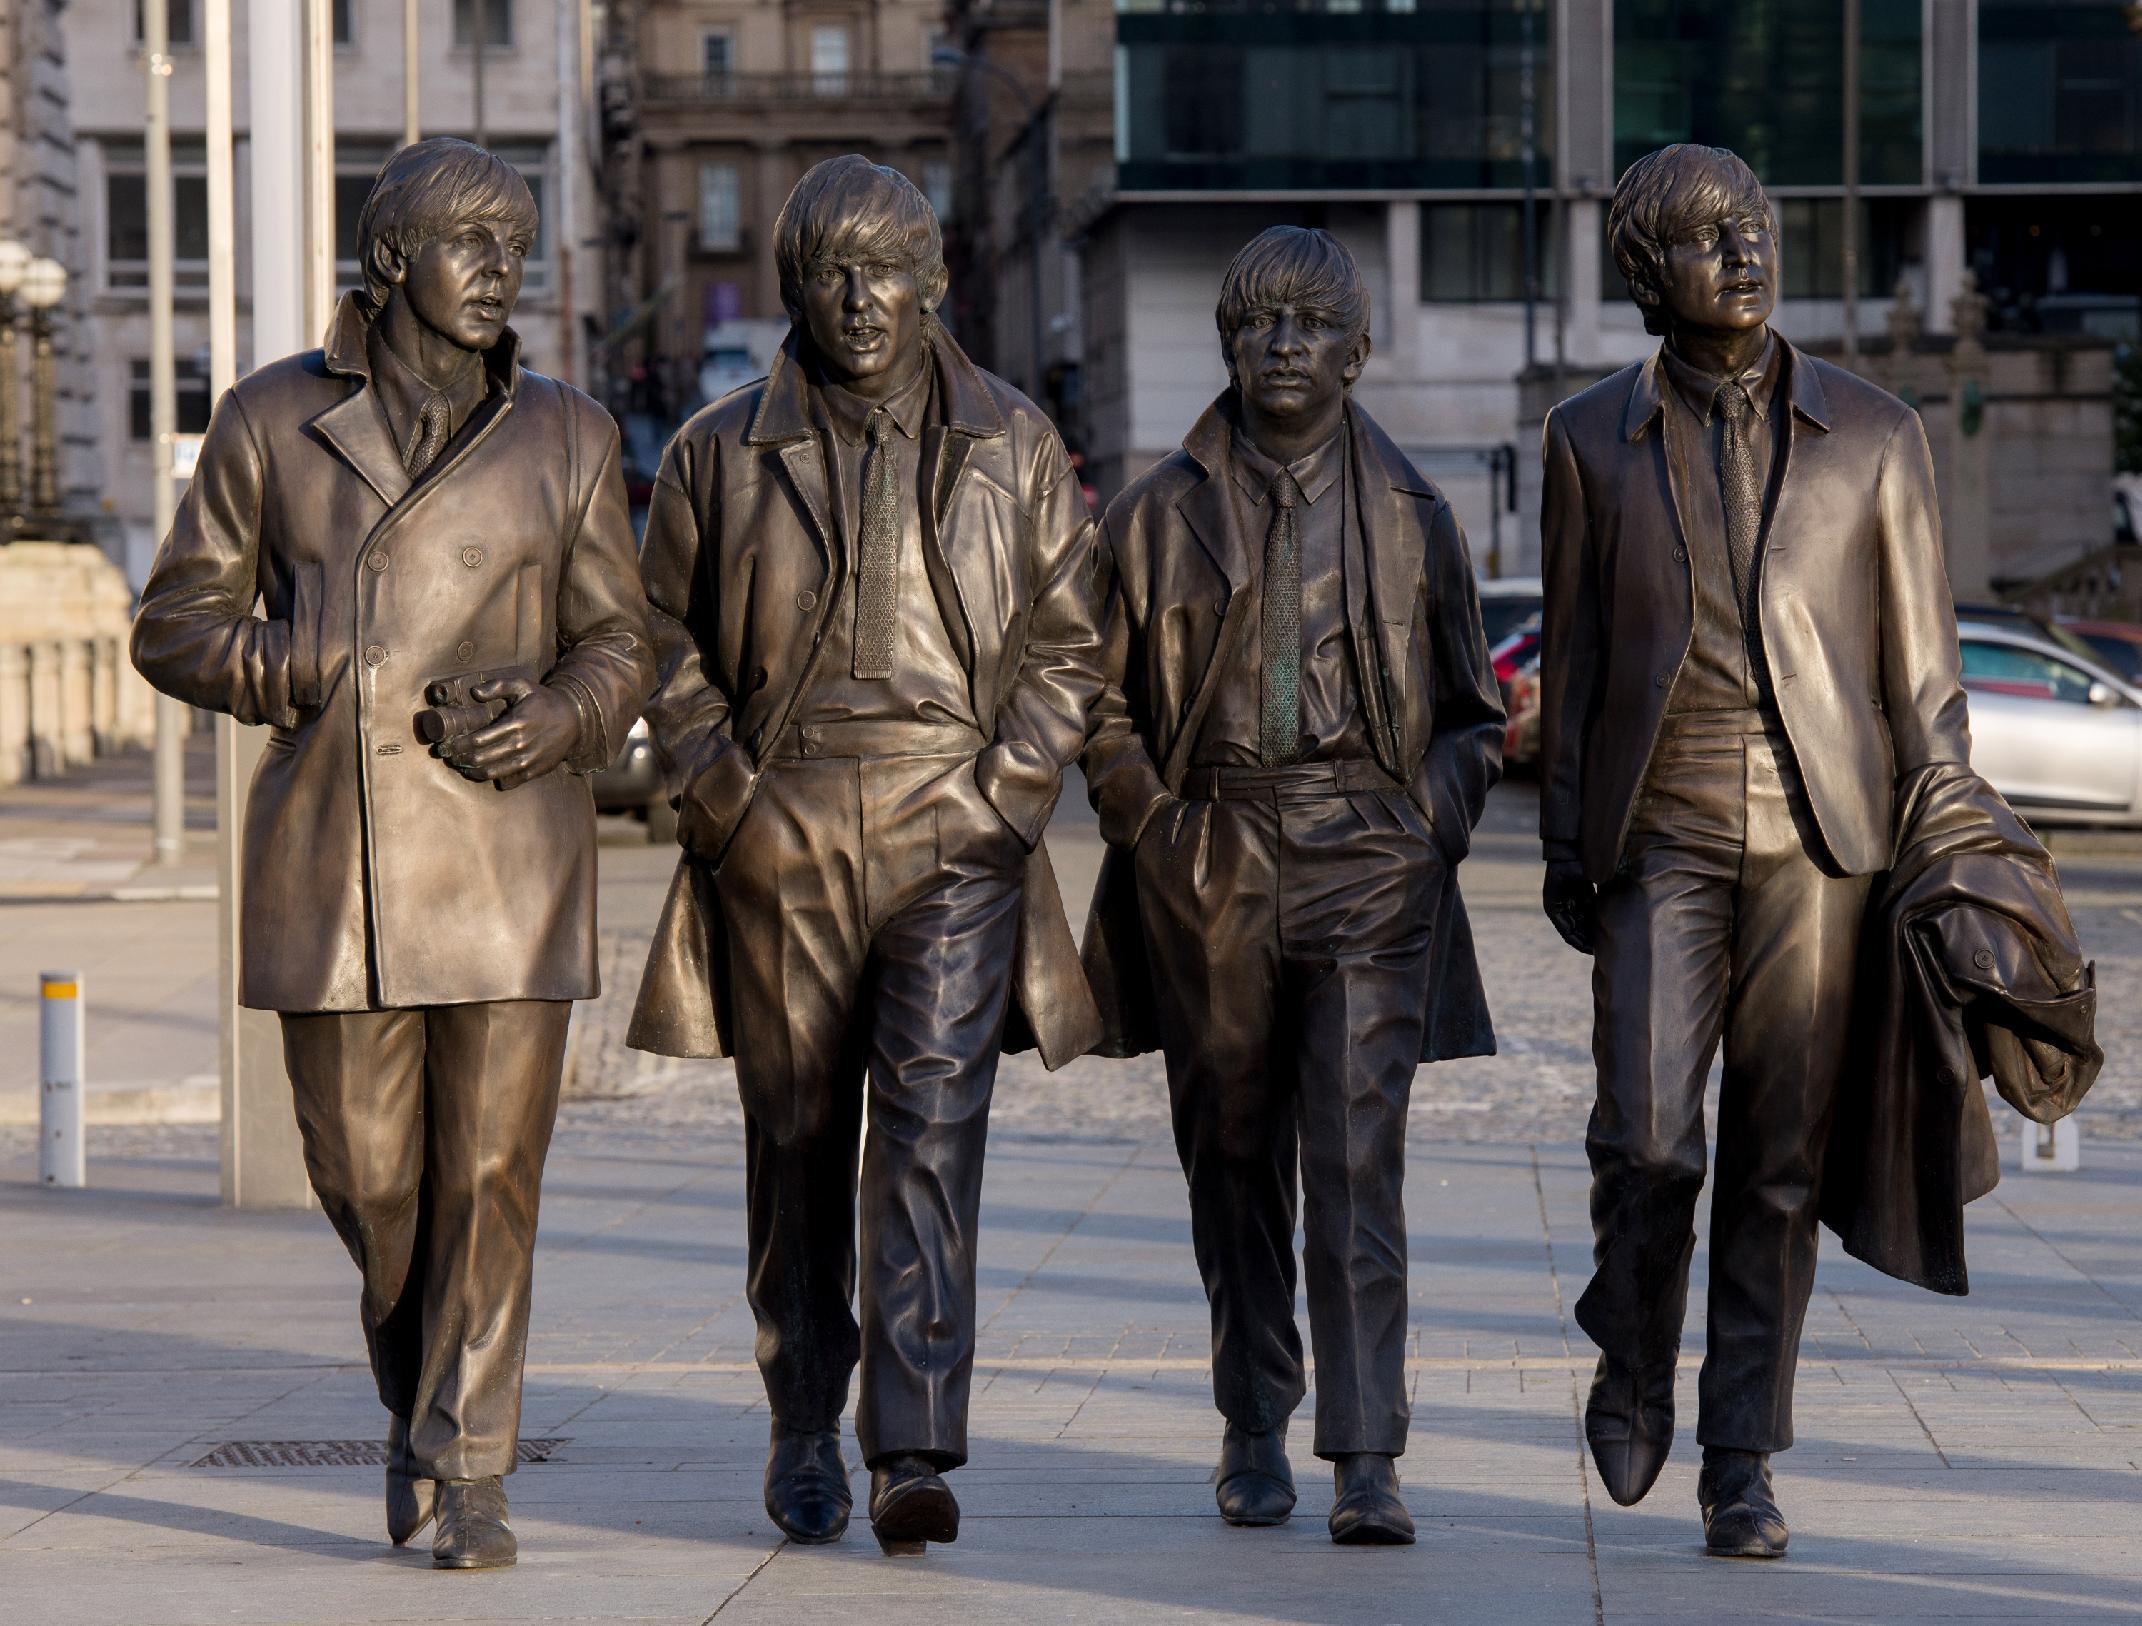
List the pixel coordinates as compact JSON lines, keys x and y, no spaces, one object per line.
{"x":451,"y":636}
{"x":1749,"y":654}
{"x":870,"y":581}
{"x":1288,"y":931}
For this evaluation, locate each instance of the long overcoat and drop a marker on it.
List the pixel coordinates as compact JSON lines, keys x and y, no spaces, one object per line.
{"x":373,"y":875}
{"x":740,"y":564}
{"x":1175,"y":565}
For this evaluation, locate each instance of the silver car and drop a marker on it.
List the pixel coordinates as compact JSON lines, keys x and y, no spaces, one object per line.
{"x":2061,"y":738}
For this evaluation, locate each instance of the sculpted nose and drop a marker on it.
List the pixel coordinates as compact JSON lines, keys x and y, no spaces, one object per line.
{"x":855,"y":291}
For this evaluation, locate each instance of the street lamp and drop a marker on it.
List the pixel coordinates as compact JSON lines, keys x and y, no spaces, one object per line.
{"x":1039,"y":204}
{"x":44,"y":285}
{"x":14,"y":266}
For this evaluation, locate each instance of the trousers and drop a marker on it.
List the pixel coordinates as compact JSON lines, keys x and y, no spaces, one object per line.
{"x":872,"y":909}
{"x":1288,"y":924}
{"x":1727,"y":919}
{"x":424,"y":1133}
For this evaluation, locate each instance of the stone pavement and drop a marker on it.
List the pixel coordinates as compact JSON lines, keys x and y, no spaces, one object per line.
{"x":1976,"y":1459}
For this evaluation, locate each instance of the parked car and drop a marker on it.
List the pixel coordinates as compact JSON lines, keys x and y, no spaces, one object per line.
{"x":1521,"y":712}
{"x":2118,"y":644}
{"x":2058,"y":735}
{"x":1521,"y":645}
{"x":633,"y":784}
{"x":1505,"y":603}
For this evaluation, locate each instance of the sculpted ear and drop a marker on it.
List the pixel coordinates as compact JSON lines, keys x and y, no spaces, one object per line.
{"x":389,"y":264}
{"x":1357,"y":355}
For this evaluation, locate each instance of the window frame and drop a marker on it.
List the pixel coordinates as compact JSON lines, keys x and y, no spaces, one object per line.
{"x":465,"y":43}
{"x":192,"y":40}
{"x":733,"y":243}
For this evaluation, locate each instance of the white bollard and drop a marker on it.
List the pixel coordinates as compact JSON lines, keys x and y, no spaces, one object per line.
{"x":62,"y":1158}
{"x":2050,"y":1148}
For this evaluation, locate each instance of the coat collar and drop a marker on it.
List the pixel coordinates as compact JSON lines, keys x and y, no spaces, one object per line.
{"x":784,"y":411}
{"x":1647,"y":397}
{"x":356,"y":426}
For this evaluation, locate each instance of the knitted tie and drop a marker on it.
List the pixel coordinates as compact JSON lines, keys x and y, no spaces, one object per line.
{"x":430,"y":434}
{"x":1280,"y":717}
{"x":877,"y":567}
{"x":1740,"y":488}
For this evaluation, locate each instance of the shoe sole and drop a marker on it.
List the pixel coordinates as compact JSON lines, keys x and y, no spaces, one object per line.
{"x":439,"y":1563}
{"x":1257,"y":1521}
{"x":910,"y":1518}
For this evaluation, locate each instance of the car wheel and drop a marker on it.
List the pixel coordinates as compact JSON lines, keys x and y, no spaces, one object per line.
{"x":661,"y":823}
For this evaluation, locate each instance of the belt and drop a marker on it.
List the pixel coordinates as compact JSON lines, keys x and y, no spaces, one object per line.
{"x":1292,"y":782}
{"x":1722,"y":723}
{"x":875,"y":737}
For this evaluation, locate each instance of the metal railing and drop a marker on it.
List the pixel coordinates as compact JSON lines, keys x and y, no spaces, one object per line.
{"x":762,"y":89}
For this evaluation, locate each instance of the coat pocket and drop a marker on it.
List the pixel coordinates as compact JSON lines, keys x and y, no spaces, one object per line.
{"x":307,"y":594}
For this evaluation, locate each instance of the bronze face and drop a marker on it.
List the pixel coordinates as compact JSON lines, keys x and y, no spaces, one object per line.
{"x":1721,"y":276}
{"x":1293,"y":363}
{"x":463,"y":283}
{"x":865,"y":322}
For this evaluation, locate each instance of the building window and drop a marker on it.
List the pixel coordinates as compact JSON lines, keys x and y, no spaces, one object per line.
{"x":829,"y":58}
{"x":937,"y":185}
{"x":343,"y":25}
{"x":2057,"y":264}
{"x":2059,"y":92}
{"x":717,"y":53}
{"x":1760,"y":77}
{"x":1313,"y":97}
{"x":497,"y":23}
{"x":180,"y":15}
{"x":192,"y":397}
{"x":126,"y":216}
{"x":1811,"y":245}
{"x":1474,"y":253}
{"x":721,"y":224}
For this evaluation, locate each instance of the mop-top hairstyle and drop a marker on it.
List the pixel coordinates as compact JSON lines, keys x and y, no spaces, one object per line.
{"x":1664,"y":196}
{"x":423,"y":192}
{"x":849,"y":209}
{"x":1292,"y":265}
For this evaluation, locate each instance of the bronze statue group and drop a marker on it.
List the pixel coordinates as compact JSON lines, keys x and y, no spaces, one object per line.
{"x":871,"y":623}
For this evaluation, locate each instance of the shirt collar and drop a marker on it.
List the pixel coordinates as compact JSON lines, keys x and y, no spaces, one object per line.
{"x":1699,"y":389}
{"x":848,"y":413}
{"x":411,"y":389}
{"x":1313,"y":471}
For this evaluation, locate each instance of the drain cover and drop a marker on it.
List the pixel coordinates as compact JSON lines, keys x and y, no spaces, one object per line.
{"x":329,"y":1453}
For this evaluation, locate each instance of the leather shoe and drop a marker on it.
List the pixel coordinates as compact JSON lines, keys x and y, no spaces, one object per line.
{"x":807,"y":1491}
{"x":473,"y":1533}
{"x":1628,"y":1423}
{"x":412,"y":1495}
{"x":1740,"y":1513}
{"x":910,"y":1504}
{"x":1254,"y":1484}
{"x":1368,"y":1512}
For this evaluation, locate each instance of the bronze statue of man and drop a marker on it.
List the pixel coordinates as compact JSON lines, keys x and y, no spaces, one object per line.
{"x":1749,"y":644}
{"x":869,"y":584}
{"x":1301,"y":727}
{"x":439,"y":544}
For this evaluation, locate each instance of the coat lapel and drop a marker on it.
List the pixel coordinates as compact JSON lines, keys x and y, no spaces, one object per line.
{"x":356,"y":430}
{"x":1390,"y":492}
{"x":1646,"y":416}
{"x":945,"y":455}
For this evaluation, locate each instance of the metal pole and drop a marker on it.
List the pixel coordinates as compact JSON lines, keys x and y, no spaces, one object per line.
{"x":169,"y":794}
{"x":1527,"y":122}
{"x":479,"y":25}
{"x":10,"y":424}
{"x":319,"y":46}
{"x":1040,"y":207}
{"x":412,"y":126}
{"x":1850,"y":236}
{"x":62,"y":1159}
{"x":222,"y":191}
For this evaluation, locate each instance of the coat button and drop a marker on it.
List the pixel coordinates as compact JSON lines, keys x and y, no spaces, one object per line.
{"x":472,"y":557}
{"x":375,"y":654}
{"x":1662,"y":680}
{"x":1983,"y":959}
{"x":464,"y":652}
{"x":378,"y":561}
{"x":1680,"y":556}
{"x":806,"y":600}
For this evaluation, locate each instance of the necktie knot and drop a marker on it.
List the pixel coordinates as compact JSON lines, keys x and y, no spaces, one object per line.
{"x":431,"y":433}
{"x":877,"y":425}
{"x":1732,"y":402}
{"x":1284,"y":490}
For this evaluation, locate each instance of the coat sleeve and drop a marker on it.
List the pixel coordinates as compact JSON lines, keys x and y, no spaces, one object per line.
{"x":1569,"y":642}
{"x":195,"y":635}
{"x":1122,"y":780}
{"x":1041,"y":719}
{"x":1464,"y":755}
{"x":689,"y":713}
{"x":605,"y":663}
{"x":1922,"y":687}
